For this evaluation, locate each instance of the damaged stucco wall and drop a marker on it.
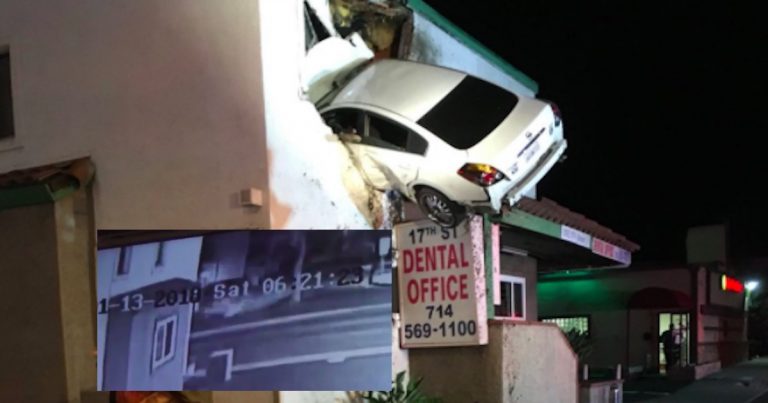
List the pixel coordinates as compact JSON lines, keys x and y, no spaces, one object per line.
{"x":313,"y":181}
{"x":434,"y":44}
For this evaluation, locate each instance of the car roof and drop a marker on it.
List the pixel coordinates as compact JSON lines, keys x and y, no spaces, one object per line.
{"x":407,"y":88}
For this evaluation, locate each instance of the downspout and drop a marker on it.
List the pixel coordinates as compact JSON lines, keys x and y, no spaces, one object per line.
{"x":693,"y":323}
{"x":626,"y":343}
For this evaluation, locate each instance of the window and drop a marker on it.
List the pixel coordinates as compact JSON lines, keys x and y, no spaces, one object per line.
{"x":471,"y":111}
{"x":124,"y":261}
{"x":344,"y":121}
{"x":568,"y":323}
{"x":416,"y":144}
{"x":164,"y":341}
{"x":6,"y":104}
{"x":314,"y":30}
{"x":160,"y":257}
{"x":512,"y":298}
{"x":387,"y":134}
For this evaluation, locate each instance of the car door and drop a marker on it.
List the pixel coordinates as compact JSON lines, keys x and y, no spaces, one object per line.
{"x":388,"y":154}
{"x":391,"y":153}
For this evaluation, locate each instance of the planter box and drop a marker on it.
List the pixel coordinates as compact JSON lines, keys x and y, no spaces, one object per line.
{"x":601,"y":391}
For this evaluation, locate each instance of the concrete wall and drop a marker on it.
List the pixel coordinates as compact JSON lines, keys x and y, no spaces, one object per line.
{"x":721,"y":337}
{"x":32,"y":344}
{"x":77,"y":270}
{"x":46,"y":302}
{"x":165,"y":96}
{"x":523,"y":266}
{"x":609,"y":332}
{"x":642,"y":351}
{"x":523,"y":361}
{"x":539,"y":365}
{"x":706,"y":244}
{"x":434,"y":46}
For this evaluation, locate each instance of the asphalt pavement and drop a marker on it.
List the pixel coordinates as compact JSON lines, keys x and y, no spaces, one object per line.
{"x":329,"y":342}
{"x":742,"y":383}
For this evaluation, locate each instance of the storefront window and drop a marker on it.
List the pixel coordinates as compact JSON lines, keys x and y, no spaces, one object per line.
{"x":577,"y":323}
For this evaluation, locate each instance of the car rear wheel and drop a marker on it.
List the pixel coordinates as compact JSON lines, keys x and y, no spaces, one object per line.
{"x":439,"y":208}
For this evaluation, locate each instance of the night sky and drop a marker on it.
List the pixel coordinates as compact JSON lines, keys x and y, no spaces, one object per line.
{"x":664,"y":109}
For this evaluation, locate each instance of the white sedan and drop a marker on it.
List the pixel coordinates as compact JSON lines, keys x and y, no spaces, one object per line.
{"x":444,"y":139}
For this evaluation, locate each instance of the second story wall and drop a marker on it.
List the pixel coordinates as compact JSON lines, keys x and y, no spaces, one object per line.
{"x":164,"y":96}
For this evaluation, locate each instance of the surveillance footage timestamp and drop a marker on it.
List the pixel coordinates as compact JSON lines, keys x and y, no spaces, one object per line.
{"x":268,"y":285}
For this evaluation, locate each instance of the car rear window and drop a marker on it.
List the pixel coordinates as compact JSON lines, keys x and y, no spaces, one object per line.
{"x":469,"y":112}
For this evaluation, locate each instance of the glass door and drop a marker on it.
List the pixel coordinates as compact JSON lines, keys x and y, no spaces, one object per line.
{"x":673,"y":340}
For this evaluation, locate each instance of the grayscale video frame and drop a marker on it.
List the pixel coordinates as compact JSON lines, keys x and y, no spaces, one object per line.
{"x":247,"y":310}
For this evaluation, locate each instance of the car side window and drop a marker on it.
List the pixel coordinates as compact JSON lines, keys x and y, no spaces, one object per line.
{"x":416,"y":144}
{"x":387,"y":134}
{"x":348,"y":121}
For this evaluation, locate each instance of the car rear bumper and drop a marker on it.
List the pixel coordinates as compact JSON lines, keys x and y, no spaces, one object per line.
{"x":511,"y":192}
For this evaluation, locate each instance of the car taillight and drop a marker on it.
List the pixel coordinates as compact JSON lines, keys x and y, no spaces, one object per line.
{"x":556,"y":111}
{"x":481,"y":174}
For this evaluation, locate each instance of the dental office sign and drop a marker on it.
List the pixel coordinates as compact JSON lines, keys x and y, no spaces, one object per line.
{"x":441,"y":280}
{"x":611,"y":251}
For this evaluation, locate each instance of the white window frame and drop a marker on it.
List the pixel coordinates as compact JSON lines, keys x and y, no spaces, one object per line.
{"x":506,"y":278}
{"x":161,"y":254}
{"x":554,"y":320}
{"x":14,"y":141}
{"x":162,"y":326}
{"x":126,"y":261}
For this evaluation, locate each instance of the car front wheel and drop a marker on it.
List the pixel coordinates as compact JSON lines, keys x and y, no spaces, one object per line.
{"x":439,"y":208}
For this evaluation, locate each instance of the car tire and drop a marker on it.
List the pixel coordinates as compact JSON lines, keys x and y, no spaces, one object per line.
{"x":440,"y":209}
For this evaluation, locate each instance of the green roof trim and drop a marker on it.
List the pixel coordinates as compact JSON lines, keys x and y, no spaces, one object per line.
{"x":530,"y":222}
{"x":26,"y":190}
{"x":32,"y":194}
{"x":569,"y":274}
{"x":462,"y":36}
{"x":488,"y":259}
{"x":24,"y":196}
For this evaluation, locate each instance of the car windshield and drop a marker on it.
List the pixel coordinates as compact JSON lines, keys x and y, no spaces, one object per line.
{"x":469,"y":112}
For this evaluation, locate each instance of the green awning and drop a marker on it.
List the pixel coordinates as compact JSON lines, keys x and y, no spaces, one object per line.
{"x":44,"y":184}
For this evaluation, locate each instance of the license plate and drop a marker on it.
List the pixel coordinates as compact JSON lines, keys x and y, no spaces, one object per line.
{"x":531,"y":151}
